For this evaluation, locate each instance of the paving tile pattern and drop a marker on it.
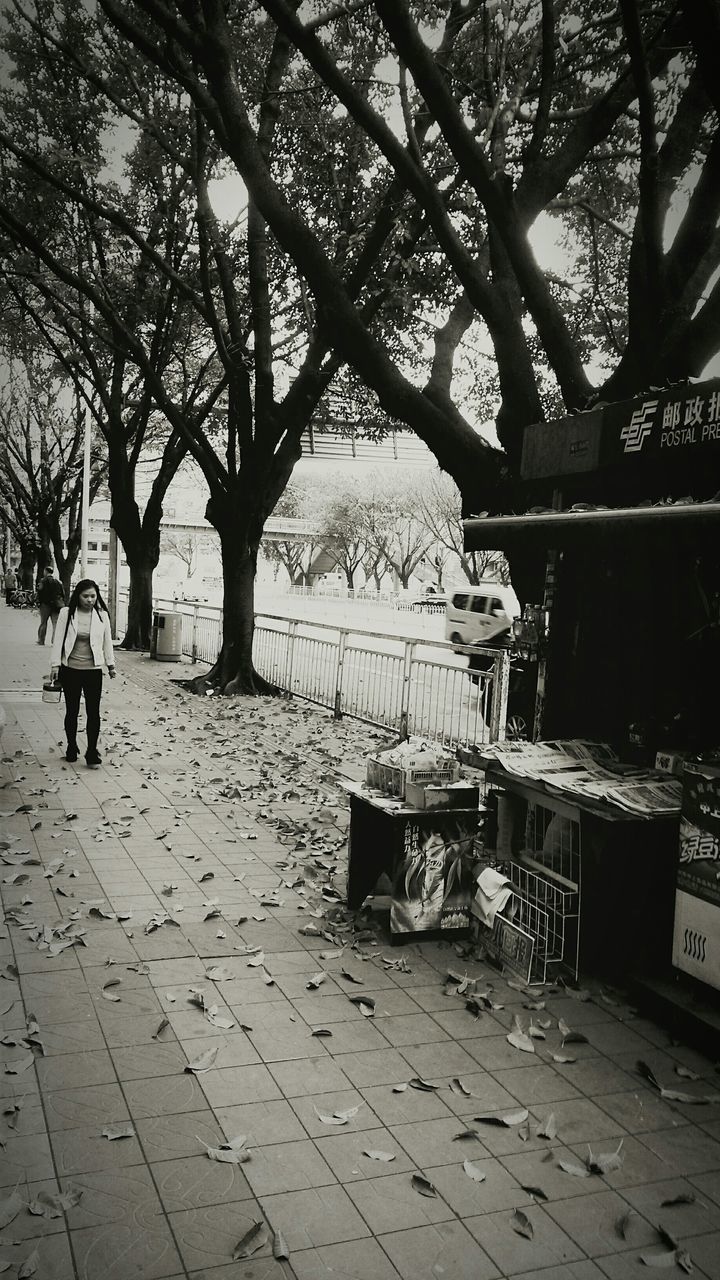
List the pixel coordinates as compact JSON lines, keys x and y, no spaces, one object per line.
{"x":228,"y":819}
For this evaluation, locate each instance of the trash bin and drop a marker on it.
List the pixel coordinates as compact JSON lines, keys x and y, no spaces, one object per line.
{"x":166,"y":641}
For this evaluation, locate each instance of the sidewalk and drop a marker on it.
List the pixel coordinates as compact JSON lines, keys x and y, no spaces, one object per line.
{"x":170,"y":909}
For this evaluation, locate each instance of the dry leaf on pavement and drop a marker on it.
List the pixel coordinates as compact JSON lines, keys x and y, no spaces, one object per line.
{"x":522,"y":1224}
{"x":253,"y":1240}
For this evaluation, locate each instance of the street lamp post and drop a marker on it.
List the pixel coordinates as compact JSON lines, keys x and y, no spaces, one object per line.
{"x":85,"y":519}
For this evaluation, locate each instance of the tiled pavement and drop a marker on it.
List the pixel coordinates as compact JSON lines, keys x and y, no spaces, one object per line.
{"x":191,"y":790}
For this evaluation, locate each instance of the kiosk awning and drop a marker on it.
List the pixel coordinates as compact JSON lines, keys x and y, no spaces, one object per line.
{"x":560,"y":529}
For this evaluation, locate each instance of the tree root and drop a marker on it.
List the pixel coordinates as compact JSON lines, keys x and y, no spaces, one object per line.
{"x":249,"y":684}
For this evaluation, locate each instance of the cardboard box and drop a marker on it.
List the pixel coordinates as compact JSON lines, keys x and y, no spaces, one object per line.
{"x":670,"y":761}
{"x":442,"y":796}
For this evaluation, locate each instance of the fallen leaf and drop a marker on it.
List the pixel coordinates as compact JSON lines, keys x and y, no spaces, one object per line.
{"x":386,"y":1156}
{"x":457,"y":1086}
{"x":10,"y":1207}
{"x":549,"y":1128}
{"x":623,"y":1223}
{"x":218,"y":973}
{"x":203,"y":1062}
{"x":423,"y":1186}
{"x":321,"y":1031}
{"x":16,"y":1067}
{"x":686,"y":1074}
{"x":230,"y":1152}
{"x":107,"y":994}
{"x":473,"y":1172}
{"x":658,"y":1259}
{"x":519,"y":1039}
{"x":465,"y":1135}
{"x":604,"y":1161}
{"x":522,"y":1224}
{"x":280,"y":1249}
{"x":313,"y":983}
{"x":163,"y":1023}
{"x":253,"y":1240}
{"x":29,"y":1265}
{"x":114,"y":1131}
{"x":344,"y":973}
{"x":330,"y":1119}
{"x":562,"y":1057}
{"x":349,"y":1112}
{"x":418,"y":1083}
{"x":515,"y":1117}
{"x":399,"y":1088}
{"x":686,"y":1197}
{"x":577,"y":1170}
{"x":684,"y":1261}
{"x":537,"y":1192}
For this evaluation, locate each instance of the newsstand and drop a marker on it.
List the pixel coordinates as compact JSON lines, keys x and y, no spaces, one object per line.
{"x":623,"y":503}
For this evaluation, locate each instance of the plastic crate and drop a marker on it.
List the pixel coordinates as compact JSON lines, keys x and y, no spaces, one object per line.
{"x":393,"y":780}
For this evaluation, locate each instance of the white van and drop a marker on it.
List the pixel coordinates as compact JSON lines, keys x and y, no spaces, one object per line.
{"x":476,"y":615}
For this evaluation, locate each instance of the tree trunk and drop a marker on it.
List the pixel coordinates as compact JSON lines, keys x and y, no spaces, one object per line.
{"x":139,"y":623}
{"x":26,"y":568}
{"x":233,"y":671}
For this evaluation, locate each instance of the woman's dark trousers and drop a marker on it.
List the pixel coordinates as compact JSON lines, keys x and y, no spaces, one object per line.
{"x":89,"y":683}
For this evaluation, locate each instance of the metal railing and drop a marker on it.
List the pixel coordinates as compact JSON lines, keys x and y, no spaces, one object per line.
{"x":408,"y":685}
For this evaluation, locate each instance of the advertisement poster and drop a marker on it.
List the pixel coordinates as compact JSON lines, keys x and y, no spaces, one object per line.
{"x":434,"y":883}
{"x":699,"y":865}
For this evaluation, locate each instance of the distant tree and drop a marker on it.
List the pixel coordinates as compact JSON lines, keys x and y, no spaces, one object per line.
{"x":341,"y":517}
{"x":186,"y":546}
{"x":295,"y":554}
{"x":42,"y":429}
{"x":439,"y":508}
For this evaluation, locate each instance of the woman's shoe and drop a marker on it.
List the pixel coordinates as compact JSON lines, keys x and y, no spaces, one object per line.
{"x":92,"y":759}
{"x":71,"y":754}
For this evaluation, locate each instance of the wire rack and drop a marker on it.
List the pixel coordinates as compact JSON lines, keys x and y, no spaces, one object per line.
{"x":545,"y":875}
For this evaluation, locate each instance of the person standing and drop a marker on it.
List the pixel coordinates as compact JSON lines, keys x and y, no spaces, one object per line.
{"x":82,"y":646}
{"x":10,"y":583}
{"x":50,"y":598}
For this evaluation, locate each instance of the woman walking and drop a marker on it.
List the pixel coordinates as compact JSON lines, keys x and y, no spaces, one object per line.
{"x":81,"y":646}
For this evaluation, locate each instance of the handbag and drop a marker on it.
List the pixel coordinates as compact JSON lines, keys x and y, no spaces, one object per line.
{"x":51,"y":691}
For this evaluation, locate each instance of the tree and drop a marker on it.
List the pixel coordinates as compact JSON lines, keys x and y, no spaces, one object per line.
{"x":41,"y":473}
{"x":268,"y":354}
{"x":97,"y":308}
{"x":439,"y":508}
{"x":446,"y":129}
{"x":605,"y":121}
{"x":392,"y":529}
{"x":296,"y":505}
{"x":186,"y":546}
{"x":343,"y":531}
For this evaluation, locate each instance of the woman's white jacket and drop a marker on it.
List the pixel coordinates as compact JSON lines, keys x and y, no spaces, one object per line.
{"x":100,"y":639}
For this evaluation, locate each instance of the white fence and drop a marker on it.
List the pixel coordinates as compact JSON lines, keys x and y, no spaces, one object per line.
{"x":408,"y":685}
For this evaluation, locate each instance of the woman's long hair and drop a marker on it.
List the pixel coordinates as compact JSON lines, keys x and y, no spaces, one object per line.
{"x":84,"y":585}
